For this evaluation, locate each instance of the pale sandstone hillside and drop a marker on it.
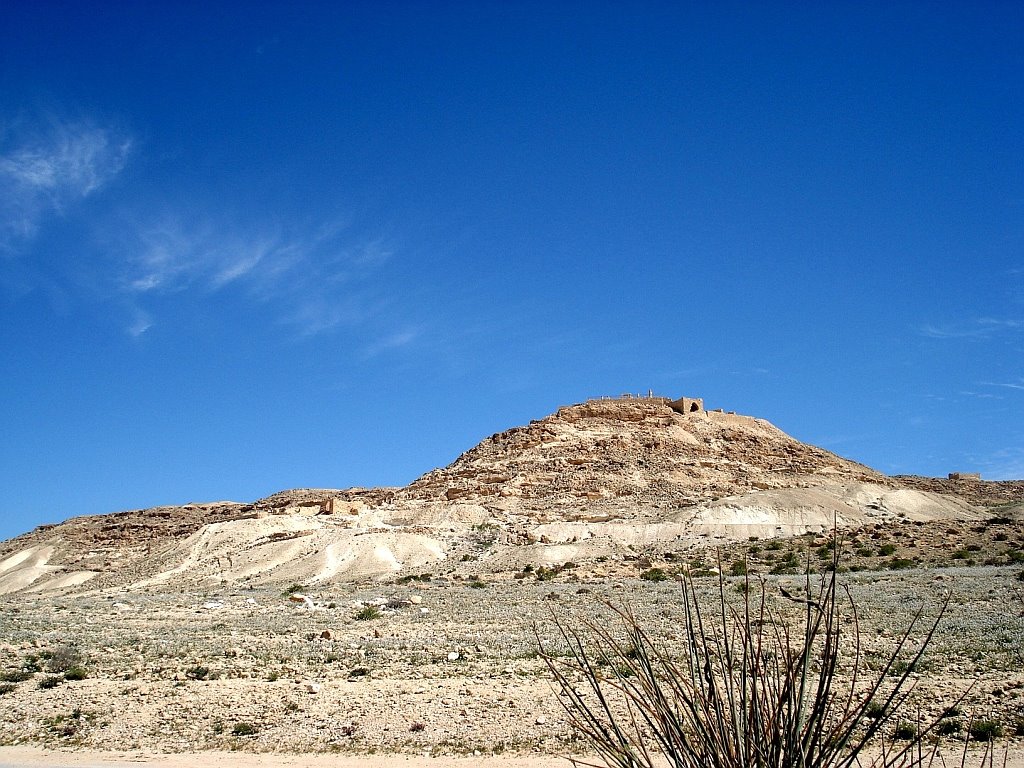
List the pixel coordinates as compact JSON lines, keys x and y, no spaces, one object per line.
{"x":593,"y":480}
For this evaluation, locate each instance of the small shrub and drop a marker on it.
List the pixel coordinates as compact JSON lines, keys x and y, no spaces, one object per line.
{"x":789,"y":564}
{"x":243,"y":729}
{"x":899,"y":564}
{"x":738,"y":568}
{"x":478,"y":584}
{"x":292,"y":589}
{"x":949,"y":727}
{"x":76,"y":673}
{"x":904,"y":731}
{"x":874,"y":710}
{"x":197,"y":673}
{"x":985,"y":730}
{"x":6,"y":688}
{"x":367,"y":613}
{"x":63,"y":658}
{"x":417,"y":727}
{"x":15,"y":676}
{"x":654,"y":574}
{"x":50,"y":681}
{"x":359,"y":672}
{"x":887,"y":549}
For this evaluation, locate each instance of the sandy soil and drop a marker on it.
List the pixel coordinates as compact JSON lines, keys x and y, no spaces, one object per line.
{"x":28,"y":757}
{"x":455,"y":673}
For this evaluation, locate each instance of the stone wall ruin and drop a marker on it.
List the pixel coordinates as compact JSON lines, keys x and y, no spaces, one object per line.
{"x":687,"y":405}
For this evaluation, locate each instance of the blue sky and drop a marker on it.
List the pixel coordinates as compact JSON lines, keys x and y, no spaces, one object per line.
{"x":253,"y":247}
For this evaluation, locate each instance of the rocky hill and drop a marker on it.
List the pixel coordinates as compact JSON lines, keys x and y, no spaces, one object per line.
{"x":591,"y":481}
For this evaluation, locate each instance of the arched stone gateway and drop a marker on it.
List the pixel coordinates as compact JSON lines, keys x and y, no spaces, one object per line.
{"x":687,"y":405}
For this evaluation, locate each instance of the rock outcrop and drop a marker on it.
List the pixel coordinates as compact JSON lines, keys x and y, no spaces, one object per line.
{"x":592,"y":479}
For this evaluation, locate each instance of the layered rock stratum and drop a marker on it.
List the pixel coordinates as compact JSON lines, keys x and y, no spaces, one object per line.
{"x":589,"y":482}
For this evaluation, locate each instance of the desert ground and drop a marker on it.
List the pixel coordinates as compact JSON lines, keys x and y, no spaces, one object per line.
{"x":371,"y":625}
{"x":434,"y":667}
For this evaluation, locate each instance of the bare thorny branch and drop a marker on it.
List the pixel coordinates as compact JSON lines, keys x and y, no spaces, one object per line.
{"x":748,"y":691}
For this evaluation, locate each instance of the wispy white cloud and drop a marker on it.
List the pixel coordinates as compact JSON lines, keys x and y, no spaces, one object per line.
{"x":979,"y":328}
{"x":979,"y":395}
{"x":398,"y":340}
{"x":140,"y":323}
{"x":313,"y":279}
{"x":1018,"y":384}
{"x":44,"y":170}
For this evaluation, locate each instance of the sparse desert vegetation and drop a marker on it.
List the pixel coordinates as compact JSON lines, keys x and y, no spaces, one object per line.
{"x":440,"y":667}
{"x":412,"y":619}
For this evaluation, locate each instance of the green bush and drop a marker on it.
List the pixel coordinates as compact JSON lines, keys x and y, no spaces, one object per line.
{"x":76,"y":673}
{"x":887,"y":549}
{"x":50,"y":681}
{"x":899,"y":564}
{"x":367,"y":613}
{"x":949,"y":727}
{"x":789,"y":564}
{"x":15,"y":676}
{"x":654,"y":574}
{"x":985,"y":730}
{"x":904,"y":731}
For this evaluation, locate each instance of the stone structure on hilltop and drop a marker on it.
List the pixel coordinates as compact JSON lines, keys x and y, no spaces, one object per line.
{"x":687,"y":405}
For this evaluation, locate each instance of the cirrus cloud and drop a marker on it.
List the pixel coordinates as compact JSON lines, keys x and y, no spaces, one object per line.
{"x":46,"y":169}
